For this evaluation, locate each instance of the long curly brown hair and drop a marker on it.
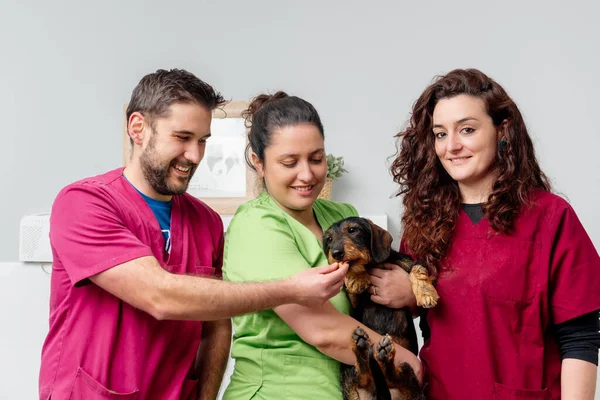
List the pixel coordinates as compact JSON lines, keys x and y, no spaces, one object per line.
{"x":432,"y":198}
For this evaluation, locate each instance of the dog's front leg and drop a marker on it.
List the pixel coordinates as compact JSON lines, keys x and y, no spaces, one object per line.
{"x":422,"y":286}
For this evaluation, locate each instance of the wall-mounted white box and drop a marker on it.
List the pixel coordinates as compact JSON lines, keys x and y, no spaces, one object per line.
{"x":34,"y":240}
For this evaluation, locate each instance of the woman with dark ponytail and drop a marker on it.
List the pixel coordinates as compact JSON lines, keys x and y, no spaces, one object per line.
{"x":292,"y":351}
{"x":518,"y":277}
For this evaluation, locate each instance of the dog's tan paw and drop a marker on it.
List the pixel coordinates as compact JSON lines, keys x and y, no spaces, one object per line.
{"x":425,"y":293}
{"x":428,"y":297}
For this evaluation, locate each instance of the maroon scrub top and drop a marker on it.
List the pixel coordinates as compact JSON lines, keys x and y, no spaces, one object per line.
{"x":500,"y":295}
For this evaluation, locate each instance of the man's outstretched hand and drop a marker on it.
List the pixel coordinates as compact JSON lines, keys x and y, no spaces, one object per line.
{"x":313,"y":287}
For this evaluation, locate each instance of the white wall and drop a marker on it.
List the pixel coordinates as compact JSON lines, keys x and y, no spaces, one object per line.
{"x":68,"y":67}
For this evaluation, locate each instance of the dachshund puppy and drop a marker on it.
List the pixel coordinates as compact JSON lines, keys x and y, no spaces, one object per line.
{"x":365,"y":245}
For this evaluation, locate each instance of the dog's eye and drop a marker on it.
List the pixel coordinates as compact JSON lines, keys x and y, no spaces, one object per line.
{"x":352,"y":229}
{"x":329,"y":239}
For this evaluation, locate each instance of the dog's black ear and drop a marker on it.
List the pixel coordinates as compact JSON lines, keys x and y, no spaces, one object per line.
{"x":381,"y":243}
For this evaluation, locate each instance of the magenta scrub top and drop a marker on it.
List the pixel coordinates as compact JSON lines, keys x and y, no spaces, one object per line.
{"x":499,"y":297}
{"x":99,"y":347}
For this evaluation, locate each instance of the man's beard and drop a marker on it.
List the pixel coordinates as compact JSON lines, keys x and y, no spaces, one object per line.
{"x":157,"y":174}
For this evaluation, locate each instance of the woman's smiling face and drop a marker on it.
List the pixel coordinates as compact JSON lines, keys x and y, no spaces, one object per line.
{"x":466,"y":141}
{"x":294,"y":167}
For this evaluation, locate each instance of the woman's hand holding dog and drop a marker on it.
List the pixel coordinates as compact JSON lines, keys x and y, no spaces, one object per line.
{"x":390,"y":286}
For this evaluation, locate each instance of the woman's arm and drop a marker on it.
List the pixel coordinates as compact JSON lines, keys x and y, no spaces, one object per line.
{"x":578,"y":339}
{"x":331,"y":333}
{"x":578,"y":379}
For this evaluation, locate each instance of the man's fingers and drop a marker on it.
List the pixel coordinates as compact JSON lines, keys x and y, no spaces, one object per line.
{"x":334,"y":288}
{"x":341,"y":270}
{"x":344,"y":267}
{"x":326,"y":269}
{"x":338,"y":281}
{"x":338,"y":276}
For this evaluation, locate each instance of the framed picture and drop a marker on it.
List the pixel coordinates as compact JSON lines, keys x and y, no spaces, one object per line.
{"x":222,"y":180}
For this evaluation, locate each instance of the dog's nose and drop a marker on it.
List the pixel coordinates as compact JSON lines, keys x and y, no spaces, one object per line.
{"x":338,"y":254}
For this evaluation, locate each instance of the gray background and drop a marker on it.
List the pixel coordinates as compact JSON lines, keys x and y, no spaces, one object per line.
{"x":68,"y":67}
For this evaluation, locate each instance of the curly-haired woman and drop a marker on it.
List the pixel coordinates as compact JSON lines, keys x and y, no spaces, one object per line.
{"x":518,"y":277}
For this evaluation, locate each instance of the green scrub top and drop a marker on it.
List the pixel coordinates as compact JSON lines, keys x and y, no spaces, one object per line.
{"x":272,"y":362}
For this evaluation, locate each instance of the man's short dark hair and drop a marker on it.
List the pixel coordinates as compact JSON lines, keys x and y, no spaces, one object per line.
{"x":157,"y":91}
